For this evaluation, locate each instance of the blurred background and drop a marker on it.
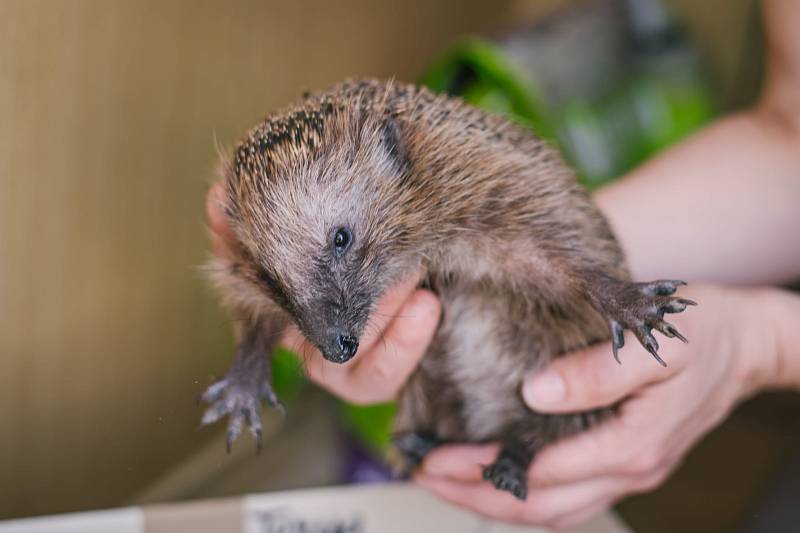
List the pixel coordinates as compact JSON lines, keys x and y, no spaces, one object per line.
{"x":110,"y":114}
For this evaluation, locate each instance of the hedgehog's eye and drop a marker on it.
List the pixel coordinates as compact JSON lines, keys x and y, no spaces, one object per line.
{"x":341,"y":240}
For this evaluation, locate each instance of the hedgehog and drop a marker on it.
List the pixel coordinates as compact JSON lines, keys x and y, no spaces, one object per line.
{"x":350,"y":190}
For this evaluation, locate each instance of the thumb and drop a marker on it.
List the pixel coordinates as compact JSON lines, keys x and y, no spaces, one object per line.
{"x":591,"y":378}
{"x":405,"y":341}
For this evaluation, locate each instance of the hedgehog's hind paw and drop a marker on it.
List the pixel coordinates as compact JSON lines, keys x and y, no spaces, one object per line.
{"x":409,"y":450}
{"x":506,"y":474}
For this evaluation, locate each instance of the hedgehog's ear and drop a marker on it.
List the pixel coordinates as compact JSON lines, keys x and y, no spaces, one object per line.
{"x":392,"y":141}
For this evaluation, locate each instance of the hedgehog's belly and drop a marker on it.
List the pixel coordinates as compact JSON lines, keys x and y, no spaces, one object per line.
{"x":485,"y":345}
{"x":482,"y":357}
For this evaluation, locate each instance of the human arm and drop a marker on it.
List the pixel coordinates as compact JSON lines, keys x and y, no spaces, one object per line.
{"x":722,"y":206}
{"x":742,"y":341}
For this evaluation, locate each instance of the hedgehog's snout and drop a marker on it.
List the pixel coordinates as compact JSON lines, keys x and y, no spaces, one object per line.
{"x":342,"y":349}
{"x":348,"y":345}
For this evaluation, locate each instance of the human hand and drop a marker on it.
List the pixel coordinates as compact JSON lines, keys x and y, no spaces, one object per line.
{"x":396,"y":338}
{"x":664,"y":412}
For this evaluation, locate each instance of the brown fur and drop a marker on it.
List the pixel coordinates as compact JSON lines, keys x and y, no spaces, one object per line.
{"x":515,"y":249}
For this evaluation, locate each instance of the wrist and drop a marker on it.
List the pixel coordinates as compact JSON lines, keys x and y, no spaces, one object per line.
{"x":784,"y":318}
{"x":773,"y":353}
{"x":754,"y":345}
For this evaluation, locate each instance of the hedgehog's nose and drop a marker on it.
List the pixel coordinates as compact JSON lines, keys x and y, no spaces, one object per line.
{"x":348,"y":345}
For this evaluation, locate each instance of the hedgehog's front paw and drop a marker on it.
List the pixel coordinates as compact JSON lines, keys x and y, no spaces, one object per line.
{"x":239,"y":396}
{"x":640,"y":307}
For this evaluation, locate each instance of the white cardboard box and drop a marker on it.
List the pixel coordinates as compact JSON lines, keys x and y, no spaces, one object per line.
{"x":385,"y":508}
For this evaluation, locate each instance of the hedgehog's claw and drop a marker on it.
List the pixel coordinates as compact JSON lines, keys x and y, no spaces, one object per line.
{"x":505,"y":474}
{"x":640,"y":307}
{"x":238,"y":395}
{"x":617,"y":339}
{"x":669,"y":330}
{"x":643,"y":333}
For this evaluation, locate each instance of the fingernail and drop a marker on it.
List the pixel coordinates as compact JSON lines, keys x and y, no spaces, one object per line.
{"x":544,"y":389}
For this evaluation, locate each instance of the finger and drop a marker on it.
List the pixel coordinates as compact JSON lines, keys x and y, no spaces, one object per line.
{"x":335,"y":377}
{"x":479,"y":497}
{"x":378,"y":374}
{"x":292,"y":339}
{"x":330,"y":376}
{"x":222,"y":237}
{"x":559,"y":463}
{"x":590,"y":378}
{"x":624,"y":445}
{"x":616,"y":490}
{"x":552,"y":505}
{"x":389,"y":307}
{"x":389,"y":364}
{"x":582,"y":515}
{"x":459,"y":462}
{"x":541,"y":507}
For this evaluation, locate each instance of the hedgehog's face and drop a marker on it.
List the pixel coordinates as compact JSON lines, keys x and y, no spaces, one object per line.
{"x":327,"y":235}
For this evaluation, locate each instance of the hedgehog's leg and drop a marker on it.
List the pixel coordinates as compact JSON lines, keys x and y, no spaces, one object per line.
{"x":414,"y":446}
{"x":639,"y":307}
{"x":239,"y":393}
{"x":509,"y":472}
{"x":523,"y":440}
{"x":414,"y":429}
